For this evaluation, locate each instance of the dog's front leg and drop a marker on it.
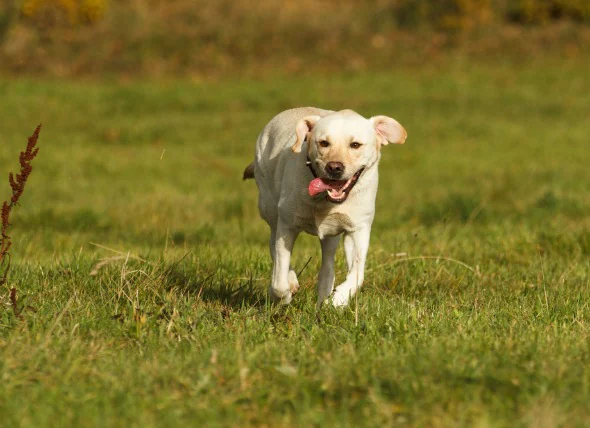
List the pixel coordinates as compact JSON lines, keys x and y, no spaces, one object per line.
{"x":356,"y":245}
{"x":327,"y":274}
{"x":284,"y":238}
{"x":349,"y":250}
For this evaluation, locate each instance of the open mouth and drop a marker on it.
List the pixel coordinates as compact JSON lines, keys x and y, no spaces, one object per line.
{"x":336,"y":190}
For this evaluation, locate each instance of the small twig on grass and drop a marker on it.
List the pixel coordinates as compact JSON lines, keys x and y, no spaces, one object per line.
{"x":105,"y":262}
{"x":444,"y":259}
{"x":304,"y":266}
{"x":125,"y":254}
{"x":17,"y":184}
{"x":110,"y":260}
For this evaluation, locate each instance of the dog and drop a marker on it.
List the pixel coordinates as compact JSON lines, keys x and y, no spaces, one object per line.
{"x":316,"y":171}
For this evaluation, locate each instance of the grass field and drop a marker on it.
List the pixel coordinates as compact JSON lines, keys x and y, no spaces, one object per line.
{"x":484,"y":321}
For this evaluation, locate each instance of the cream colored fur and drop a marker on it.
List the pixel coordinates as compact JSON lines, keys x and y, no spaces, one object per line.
{"x":282,"y":177}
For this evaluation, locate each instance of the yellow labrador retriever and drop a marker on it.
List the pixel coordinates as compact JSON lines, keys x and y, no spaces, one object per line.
{"x":316,"y":171}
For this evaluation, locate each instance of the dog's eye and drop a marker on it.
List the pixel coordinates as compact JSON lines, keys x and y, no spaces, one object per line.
{"x":324,"y":143}
{"x":355,"y":145}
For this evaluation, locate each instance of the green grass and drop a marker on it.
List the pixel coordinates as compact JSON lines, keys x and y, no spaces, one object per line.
{"x":494,"y":175}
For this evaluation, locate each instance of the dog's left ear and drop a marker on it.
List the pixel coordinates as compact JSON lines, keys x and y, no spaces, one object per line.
{"x":304,"y":127}
{"x":388,"y":130}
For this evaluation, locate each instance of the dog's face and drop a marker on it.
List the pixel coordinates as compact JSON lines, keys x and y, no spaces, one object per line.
{"x":341,"y":146}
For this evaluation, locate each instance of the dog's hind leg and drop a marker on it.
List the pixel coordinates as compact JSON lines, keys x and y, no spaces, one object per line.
{"x":327,"y":275}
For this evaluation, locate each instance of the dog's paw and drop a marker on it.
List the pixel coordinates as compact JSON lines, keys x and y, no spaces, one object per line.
{"x":293,"y":282}
{"x":339,"y":300}
{"x":279,"y":298}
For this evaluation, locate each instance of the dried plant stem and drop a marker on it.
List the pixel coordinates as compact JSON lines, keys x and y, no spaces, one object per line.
{"x":17,"y":184}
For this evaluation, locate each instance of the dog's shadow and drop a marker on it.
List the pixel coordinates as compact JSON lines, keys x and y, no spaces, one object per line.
{"x":228,"y":292}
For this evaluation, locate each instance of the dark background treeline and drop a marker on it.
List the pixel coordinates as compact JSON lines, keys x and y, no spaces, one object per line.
{"x":204,"y":37}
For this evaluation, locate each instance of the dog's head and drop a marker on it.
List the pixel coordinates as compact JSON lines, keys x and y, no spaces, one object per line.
{"x":341,"y":146}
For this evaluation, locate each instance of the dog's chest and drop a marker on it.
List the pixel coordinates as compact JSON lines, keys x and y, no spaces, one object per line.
{"x":324,"y":221}
{"x":333,"y":224}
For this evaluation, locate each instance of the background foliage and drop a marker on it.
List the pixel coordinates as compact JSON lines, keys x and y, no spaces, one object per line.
{"x":89,"y":37}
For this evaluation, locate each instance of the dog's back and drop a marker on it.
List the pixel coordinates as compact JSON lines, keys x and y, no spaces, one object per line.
{"x":278,"y":135}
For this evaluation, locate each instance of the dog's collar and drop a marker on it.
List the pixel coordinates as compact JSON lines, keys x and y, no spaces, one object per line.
{"x":308,"y":163}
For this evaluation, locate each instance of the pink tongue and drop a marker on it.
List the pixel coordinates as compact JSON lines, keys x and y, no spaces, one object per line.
{"x":317,"y":185}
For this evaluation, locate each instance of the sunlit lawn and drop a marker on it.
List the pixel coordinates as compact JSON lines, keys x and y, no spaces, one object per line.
{"x":141,"y":264}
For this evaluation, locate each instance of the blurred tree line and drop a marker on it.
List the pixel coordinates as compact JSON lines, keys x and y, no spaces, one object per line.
{"x":86,"y":36}
{"x":448,"y":14}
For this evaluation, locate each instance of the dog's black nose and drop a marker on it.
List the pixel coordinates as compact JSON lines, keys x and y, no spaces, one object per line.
{"x":335,"y":169}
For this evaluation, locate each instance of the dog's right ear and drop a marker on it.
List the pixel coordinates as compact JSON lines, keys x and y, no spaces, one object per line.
{"x":303,"y":128}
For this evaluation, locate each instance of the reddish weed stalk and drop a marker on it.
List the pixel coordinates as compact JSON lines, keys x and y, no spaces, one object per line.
{"x":17,"y":185}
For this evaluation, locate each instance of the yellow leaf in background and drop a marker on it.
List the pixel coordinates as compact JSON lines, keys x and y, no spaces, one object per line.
{"x":76,"y":11}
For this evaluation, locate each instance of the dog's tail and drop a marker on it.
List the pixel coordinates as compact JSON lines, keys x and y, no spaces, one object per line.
{"x":249,"y":172}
